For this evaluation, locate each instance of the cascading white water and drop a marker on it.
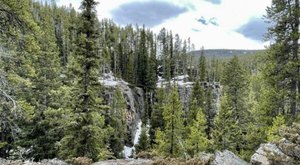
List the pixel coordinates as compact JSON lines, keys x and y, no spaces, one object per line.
{"x":128,"y":151}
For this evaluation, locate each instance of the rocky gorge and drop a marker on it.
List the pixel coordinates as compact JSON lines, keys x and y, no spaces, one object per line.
{"x":283,"y":152}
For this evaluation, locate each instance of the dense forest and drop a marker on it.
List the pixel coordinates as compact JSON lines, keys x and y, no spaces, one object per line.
{"x":53,"y":106}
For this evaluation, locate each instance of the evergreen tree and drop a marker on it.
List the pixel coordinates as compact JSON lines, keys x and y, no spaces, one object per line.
{"x":273,"y":132}
{"x":156,"y":120}
{"x":173,"y":125}
{"x":144,"y":142}
{"x":209,"y":112}
{"x":177,"y":55}
{"x":226,"y":128}
{"x":202,"y":66}
{"x":233,"y":109}
{"x":282,"y":65}
{"x":151,"y":76}
{"x":116,"y":119}
{"x":197,"y":101}
{"x":163,"y":38}
{"x":197,"y":140}
{"x":235,"y":85}
{"x":142,"y":60}
{"x":85,"y":133}
{"x":184,"y":63}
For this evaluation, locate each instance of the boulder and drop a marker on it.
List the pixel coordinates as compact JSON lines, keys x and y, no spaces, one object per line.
{"x":268,"y":154}
{"x":227,"y":158}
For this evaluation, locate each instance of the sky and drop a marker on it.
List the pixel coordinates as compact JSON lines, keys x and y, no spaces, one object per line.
{"x":213,"y":24}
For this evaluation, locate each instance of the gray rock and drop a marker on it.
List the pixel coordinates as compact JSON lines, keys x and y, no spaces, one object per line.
{"x":54,"y":161}
{"x":227,"y":158}
{"x":29,"y":162}
{"x":134,"y":98}
{"x":267,"y":153}
{"x":125,"y":162}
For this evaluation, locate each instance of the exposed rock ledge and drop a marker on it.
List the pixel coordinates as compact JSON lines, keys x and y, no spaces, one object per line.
{"x":227,"y":158}
{"x":284,"y":152}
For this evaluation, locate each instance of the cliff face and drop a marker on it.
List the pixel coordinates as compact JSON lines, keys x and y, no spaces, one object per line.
{"x":134,"y":98}
{"x":185,"y":89}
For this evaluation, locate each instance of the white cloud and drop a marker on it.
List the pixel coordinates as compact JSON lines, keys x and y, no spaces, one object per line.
{"x":230,"y":15}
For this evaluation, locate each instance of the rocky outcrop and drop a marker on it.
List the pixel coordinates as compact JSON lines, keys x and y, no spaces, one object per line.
{"x":286,"y":151}
{"x":283,"y":152}
{"x":134,"y":98}
{"x":185,"y":89}
{"x":267,"y":153}
{"x":227,"y":158}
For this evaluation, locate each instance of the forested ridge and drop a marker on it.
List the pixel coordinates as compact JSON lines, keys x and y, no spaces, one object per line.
{"x":53,"y":104}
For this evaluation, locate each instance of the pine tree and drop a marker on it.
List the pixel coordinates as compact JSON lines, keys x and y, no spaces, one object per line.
{"x":202,"y":67}
{"x":235,"y":85}
{"x":226,"y":127}
{"x":85,"y":133}
{"x":273,"y":132}
{"x":233,"y":109}
{"x":16,"y":70}
{"x":144,"y":141}
{"x":282,"y":65}
{"x":151,"y":76}
{"x":177,"y":55}
{"x":156,"y":120}
{"x":209,"y":112}
{"x":116,"y":119}
{"x":142,"y":60}
{"x":197,"y":101}
{"x":173,"y":123}
{"x":197,"y":140}
{"x":164,"y":46}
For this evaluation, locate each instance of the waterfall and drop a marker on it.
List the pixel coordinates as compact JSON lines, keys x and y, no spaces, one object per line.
{"x":128,"y":151}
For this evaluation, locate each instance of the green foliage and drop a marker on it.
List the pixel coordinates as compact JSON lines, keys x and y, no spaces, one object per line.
{"x":151,"y":77}
{"x":172,"y":144}
{"x":156,"y":120}
{"x":233,"y":119}
{"x":282,"y":65}
{"x":235,"y":85}
{"x":160,"y":142}
{"x":197,"y":140}
{"x":116,"y":120}
{"x":51,"y":101}
{"x":273,"y":132}
{"x":226,"y":128}
{"x":202,"y":66}
{"x":197,"y":101}
{"x":85,"y":133}
{"x":144,"y":142}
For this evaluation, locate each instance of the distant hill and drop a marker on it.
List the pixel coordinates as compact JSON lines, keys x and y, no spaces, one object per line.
{"x":224,"y":53}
